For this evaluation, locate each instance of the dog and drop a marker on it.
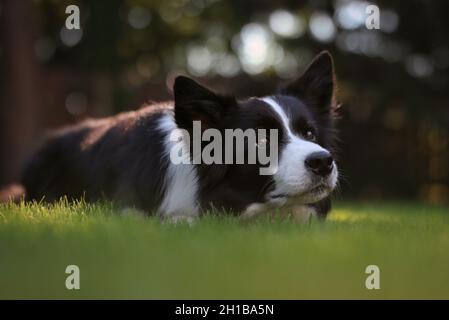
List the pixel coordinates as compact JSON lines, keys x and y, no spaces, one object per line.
{"x":126,"y":158}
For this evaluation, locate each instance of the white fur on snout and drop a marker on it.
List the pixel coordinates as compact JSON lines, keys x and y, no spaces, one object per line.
{"x":292,"y":176}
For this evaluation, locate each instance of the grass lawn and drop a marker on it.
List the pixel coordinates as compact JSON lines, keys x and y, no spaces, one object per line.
{"x":218,"y":257}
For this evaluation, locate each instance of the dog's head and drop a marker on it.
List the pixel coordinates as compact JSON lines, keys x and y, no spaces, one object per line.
{"x":301,"y":113}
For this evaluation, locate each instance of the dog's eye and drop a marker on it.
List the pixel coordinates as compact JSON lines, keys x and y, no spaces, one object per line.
{"x":310,"y":135}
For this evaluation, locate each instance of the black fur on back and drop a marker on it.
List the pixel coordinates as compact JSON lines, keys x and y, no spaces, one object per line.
{"x":119,"y":158}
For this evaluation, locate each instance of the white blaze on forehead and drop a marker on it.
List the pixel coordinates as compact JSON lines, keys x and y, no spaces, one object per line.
{"x":280,"y":112}
{"x":276,"y":107}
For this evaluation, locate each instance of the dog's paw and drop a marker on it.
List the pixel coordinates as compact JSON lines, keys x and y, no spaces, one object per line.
{"x":303,"y":213}
{"x":254,"y":210}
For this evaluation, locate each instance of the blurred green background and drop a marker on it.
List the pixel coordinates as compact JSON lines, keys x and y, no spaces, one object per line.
{"x":393,"y":82}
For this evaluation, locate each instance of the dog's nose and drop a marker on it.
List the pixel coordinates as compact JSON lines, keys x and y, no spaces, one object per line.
{"x":320,"y":163}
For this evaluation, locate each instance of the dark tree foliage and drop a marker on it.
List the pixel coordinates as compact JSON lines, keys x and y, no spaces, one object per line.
{"x":393,"y":82}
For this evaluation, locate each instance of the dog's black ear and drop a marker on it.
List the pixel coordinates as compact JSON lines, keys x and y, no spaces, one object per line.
{"x":316,"y":86}
{"x":193,"y":102}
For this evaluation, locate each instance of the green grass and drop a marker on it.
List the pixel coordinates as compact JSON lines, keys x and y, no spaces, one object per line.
{"x":221,"y":257}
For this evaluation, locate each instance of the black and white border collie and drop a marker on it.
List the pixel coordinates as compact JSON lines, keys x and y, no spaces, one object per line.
{"x":125,"y":158}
